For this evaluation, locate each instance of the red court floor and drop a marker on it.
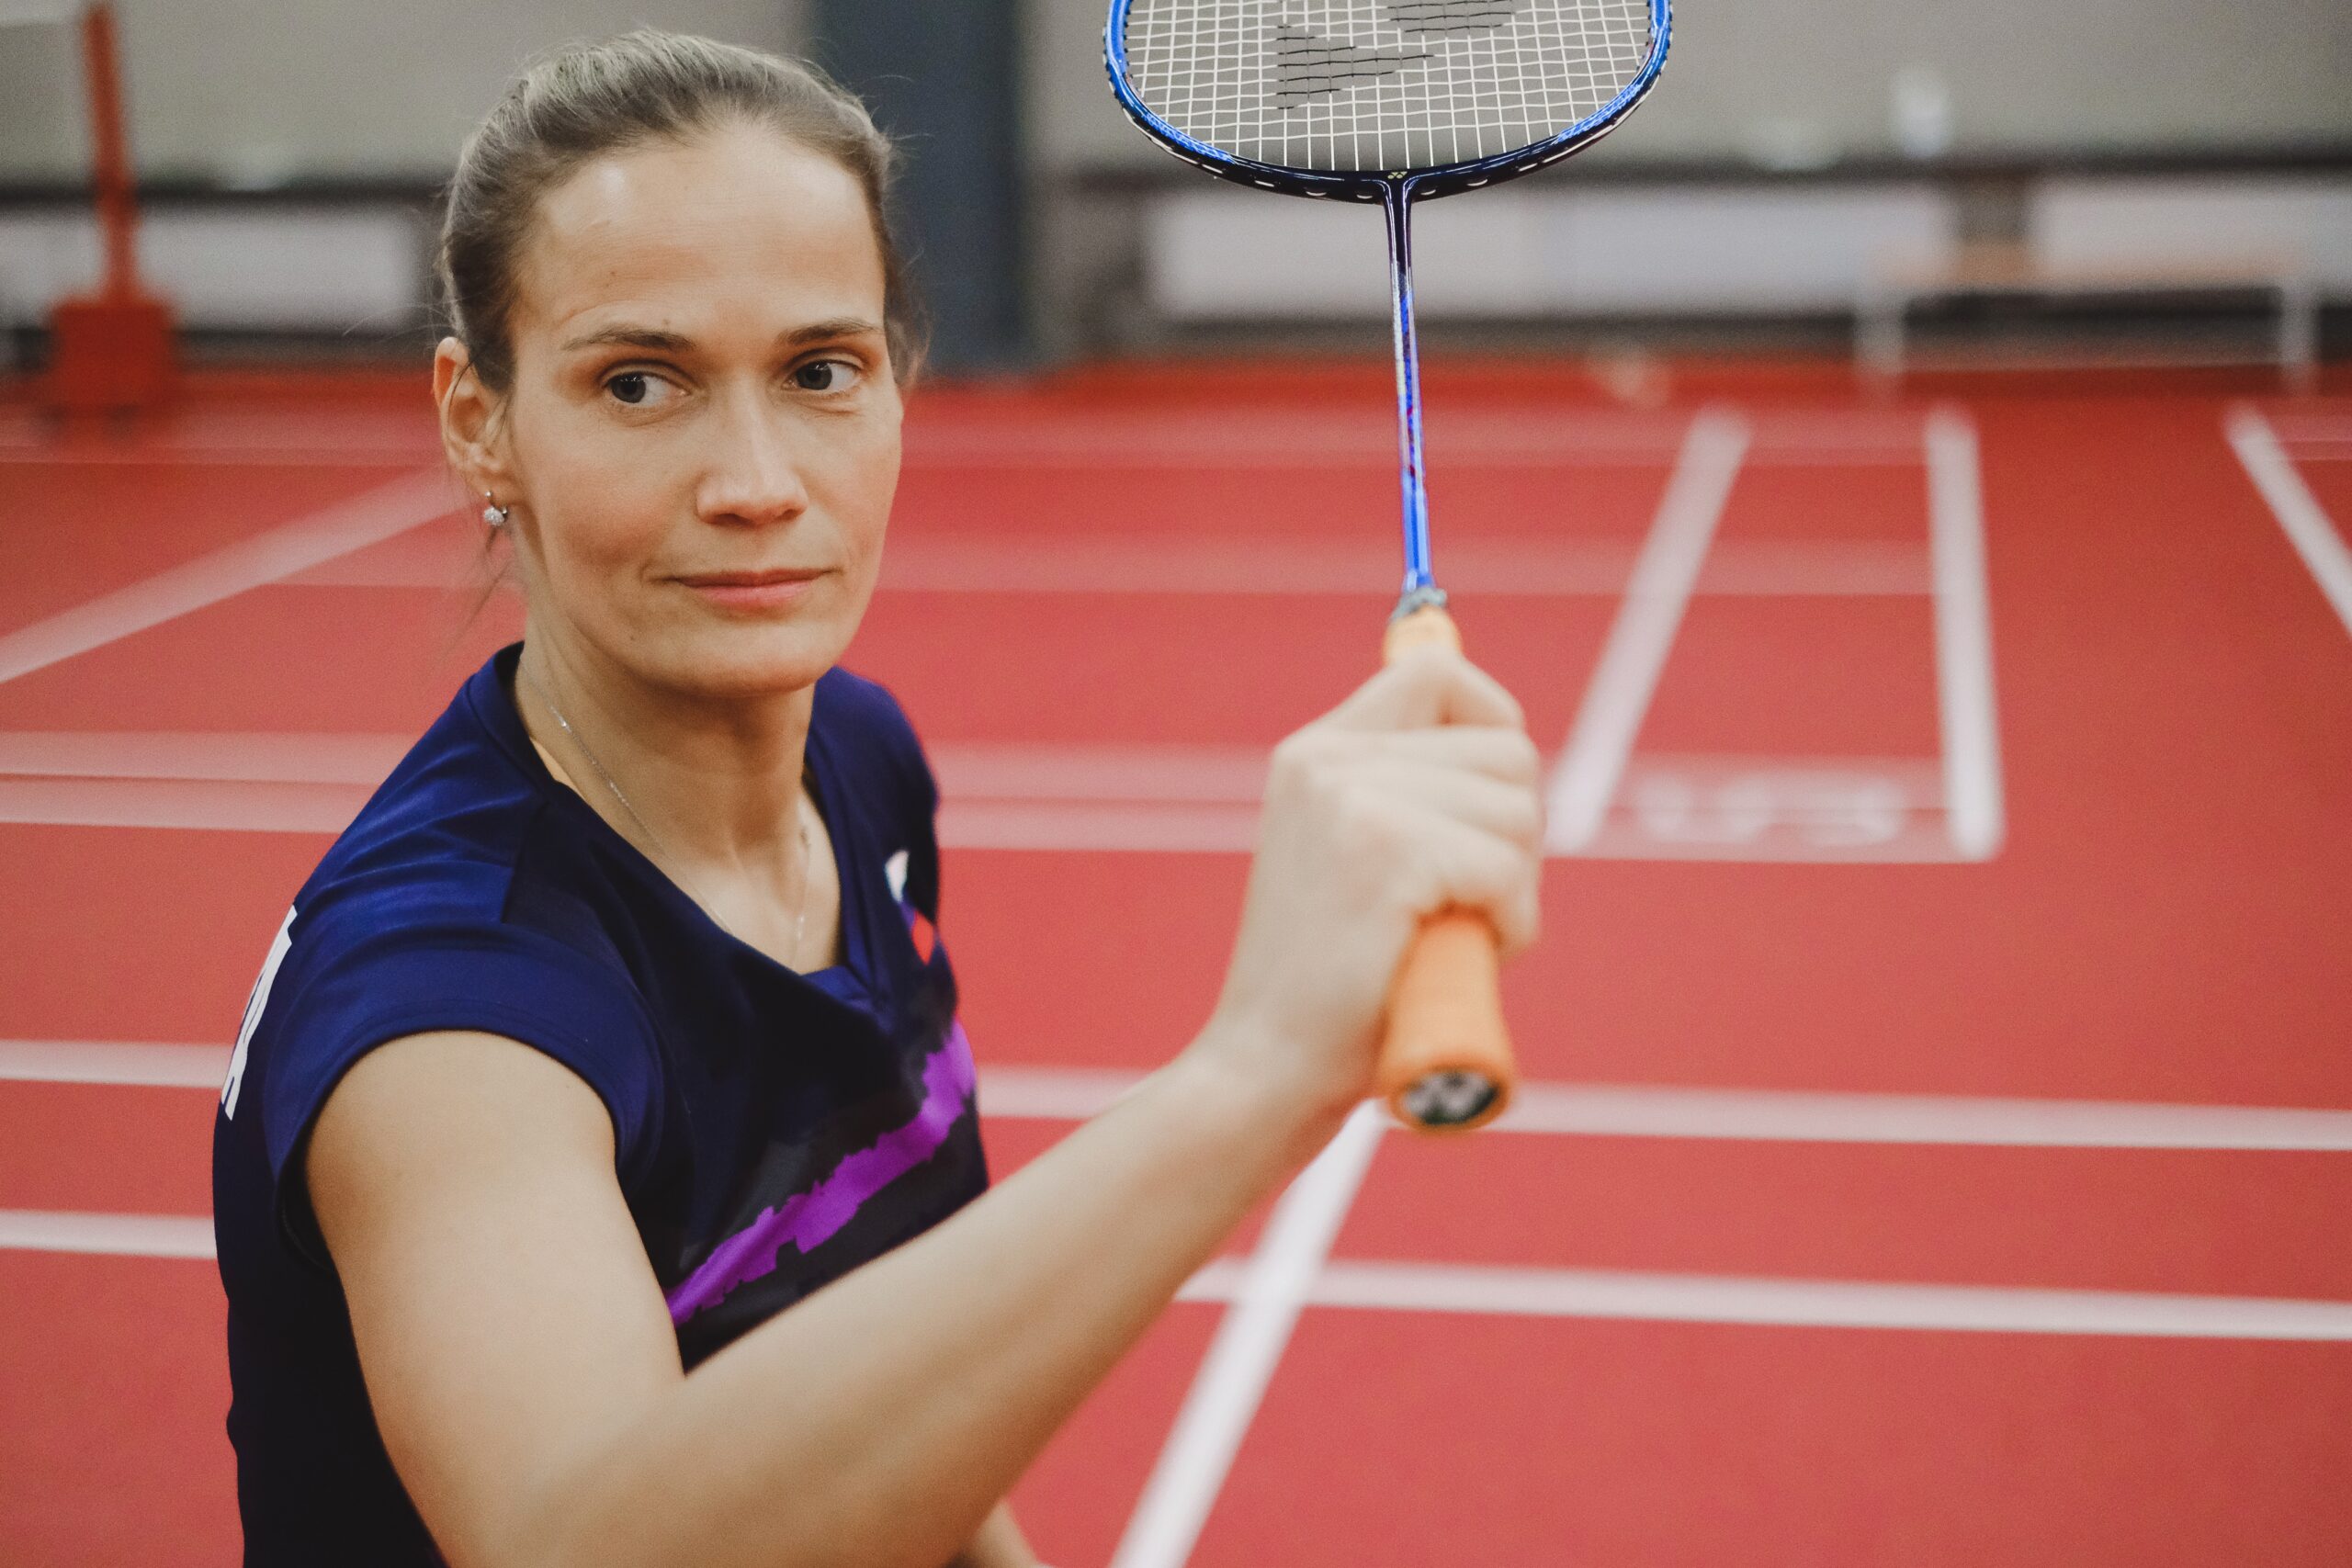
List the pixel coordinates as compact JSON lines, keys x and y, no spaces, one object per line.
{"x":1937,"y":1147}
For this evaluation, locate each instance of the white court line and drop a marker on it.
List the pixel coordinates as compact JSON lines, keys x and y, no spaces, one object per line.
{"x":1972,"y":744}
{"x":239,"y":756}
{"x":1264,"y":564}
{"x":1632,"y":1110}
{"x":1797,"y":1303}
{"x":1266,"y":1298}
{"x":379,"y":513}
{"x":1031,"y":797}
{"x":1108,"y":829}
{"x":1627,"y":678}
{"x":121,"y":1236}
{"x":1486,"y":568}
{"x":183,"y":805}
{"x":113,"y":1061}
{"x":212,"y":457}
{"x":1795,"y":1116}
{"x":1622,"y":1110}
{"x":1249,"y":438}
{"x":1495,"y":1291}
{"x":2299,"y":514}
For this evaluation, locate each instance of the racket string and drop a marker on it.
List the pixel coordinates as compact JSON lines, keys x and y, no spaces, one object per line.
{"x":1369,"y":85}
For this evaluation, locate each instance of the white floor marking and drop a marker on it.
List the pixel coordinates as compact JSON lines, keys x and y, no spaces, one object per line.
{"x":191,"y":804}
{"x":1972,"y":744}
{"x":1289,"y":439}
{"x":1783,"y":1115}
{"x":245,"y":756}
{"x":1627,"y":678}
{"x":1621,"y":1110}
{"x":1165,"y":1536}
{"x":1797,"y":1303}
{"x":2306,"y":522}
{"x":1826,"y":810}
{"x":213,"y":456}
{"x":122,"y":1235}
{"x":1267,"y":1295}
{"x":379,"y":513}
{"x":1258,"y":565}
{"x":1280,"y":438}
{"x":1110,"y":828}
{"x":112,"y":1062}
{"x":1633,"y":1110}
{"x":1044,"y":799}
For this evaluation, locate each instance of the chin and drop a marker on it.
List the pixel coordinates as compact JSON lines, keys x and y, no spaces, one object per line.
{"x":750,"y":661}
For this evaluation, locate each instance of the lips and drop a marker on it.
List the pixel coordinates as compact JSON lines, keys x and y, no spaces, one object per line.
{"x":762,"y":578}
{"x":771,"y":588}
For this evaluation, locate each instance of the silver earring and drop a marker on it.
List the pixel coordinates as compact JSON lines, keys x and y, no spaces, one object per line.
{"x":493,"y":513}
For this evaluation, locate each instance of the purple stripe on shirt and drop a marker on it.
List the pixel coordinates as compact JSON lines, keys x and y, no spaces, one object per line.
{"x":806,"y":1220}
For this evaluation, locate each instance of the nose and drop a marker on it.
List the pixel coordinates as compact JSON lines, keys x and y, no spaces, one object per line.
{"x":754,"y":478}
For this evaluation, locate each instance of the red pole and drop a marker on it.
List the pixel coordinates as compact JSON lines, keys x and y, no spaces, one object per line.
{"x":111,"y":351}
{"x":118,"y":210}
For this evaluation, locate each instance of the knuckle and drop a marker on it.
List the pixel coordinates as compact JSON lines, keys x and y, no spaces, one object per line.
{"x":1367,"y":822}
{"x":1299,"y":762}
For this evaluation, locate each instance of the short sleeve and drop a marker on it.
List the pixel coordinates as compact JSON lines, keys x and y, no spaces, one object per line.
{"x":498,"y":979}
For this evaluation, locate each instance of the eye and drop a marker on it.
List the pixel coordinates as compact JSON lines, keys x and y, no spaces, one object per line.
{"x":639,"y":389}
{"x":826,"y":376}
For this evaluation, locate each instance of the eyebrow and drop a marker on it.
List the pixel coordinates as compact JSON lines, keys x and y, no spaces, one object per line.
{"x":629,"y":337}
{"x":660,"y":342}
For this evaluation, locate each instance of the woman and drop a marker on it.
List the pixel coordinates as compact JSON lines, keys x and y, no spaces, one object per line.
{"x":614,"y":1027}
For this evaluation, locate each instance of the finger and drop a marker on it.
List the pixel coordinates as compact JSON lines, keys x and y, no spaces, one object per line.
{"x":1428,"y":686}
{"x":1462,"y":867}
{"x":1508,"y":810}
{"x":1489,"y":750}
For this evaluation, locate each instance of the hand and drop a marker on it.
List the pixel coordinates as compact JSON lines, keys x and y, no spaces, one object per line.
{"x":1416,"y":793}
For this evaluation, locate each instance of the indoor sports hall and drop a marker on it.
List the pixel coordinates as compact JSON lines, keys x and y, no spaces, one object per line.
{"x":1906,"y":474}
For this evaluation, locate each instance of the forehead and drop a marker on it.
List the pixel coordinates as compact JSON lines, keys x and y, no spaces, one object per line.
{"x":737,"y":220}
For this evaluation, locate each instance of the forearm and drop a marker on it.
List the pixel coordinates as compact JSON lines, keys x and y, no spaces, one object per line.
{"x":879,"y":1421}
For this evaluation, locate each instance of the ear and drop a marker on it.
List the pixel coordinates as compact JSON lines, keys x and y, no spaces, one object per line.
{"x":473,"y":434}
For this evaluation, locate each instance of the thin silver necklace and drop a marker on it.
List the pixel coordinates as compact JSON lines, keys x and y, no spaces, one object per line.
{"x":670,"y":862}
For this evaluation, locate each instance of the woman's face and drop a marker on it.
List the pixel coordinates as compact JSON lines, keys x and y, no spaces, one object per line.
{"x":703,"y":428}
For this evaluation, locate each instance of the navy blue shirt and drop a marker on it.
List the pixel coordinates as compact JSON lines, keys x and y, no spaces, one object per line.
{"x":773,"y":1130}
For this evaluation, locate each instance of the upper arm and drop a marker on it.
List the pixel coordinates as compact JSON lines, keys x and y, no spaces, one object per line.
{"x":508,"y":1321}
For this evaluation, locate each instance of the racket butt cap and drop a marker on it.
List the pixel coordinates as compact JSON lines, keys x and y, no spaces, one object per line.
{"x":1449,"y":1102}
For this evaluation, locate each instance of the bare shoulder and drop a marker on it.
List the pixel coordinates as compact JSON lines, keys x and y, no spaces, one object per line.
{"x":507,"y":1319}
{"x":429,"y":1114}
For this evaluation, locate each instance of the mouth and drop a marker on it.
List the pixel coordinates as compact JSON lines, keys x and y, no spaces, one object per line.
{"x":752,"y":591}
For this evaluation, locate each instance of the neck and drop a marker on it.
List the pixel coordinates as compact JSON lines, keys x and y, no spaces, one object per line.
{"x":715,"y":781}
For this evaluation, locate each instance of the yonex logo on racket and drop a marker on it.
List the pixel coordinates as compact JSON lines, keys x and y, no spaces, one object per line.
{"x":1330,"y":48}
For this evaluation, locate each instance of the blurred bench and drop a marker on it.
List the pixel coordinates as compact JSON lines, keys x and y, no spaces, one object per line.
{"x":2017,"y":271}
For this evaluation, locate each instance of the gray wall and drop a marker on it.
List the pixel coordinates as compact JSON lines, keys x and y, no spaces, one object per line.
{"x":254,"y":91}
{"x":1793,"y":79}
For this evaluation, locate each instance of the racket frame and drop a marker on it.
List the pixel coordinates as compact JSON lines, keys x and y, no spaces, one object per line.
{"x":1371,"y":185}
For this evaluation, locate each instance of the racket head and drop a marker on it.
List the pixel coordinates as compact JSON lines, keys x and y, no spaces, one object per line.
{"x":1459,"y":93}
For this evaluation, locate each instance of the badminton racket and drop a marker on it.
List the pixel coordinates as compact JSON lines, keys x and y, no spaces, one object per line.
{"x":1396,"y":102}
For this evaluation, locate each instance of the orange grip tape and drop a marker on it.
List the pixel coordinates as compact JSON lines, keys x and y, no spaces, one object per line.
{"x":1446,"y":1063}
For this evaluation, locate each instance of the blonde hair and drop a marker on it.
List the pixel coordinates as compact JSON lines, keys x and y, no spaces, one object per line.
{"x":589,"y":99}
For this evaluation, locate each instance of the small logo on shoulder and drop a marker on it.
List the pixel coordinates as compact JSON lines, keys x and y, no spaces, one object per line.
{"x":918,"y":924}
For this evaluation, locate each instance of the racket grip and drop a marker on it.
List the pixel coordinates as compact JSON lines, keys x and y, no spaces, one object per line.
{"x":1445,"y":1063}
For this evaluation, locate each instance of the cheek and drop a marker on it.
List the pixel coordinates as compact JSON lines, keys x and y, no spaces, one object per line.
{"x":601,"y":520}
{"x":870,"y":485}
